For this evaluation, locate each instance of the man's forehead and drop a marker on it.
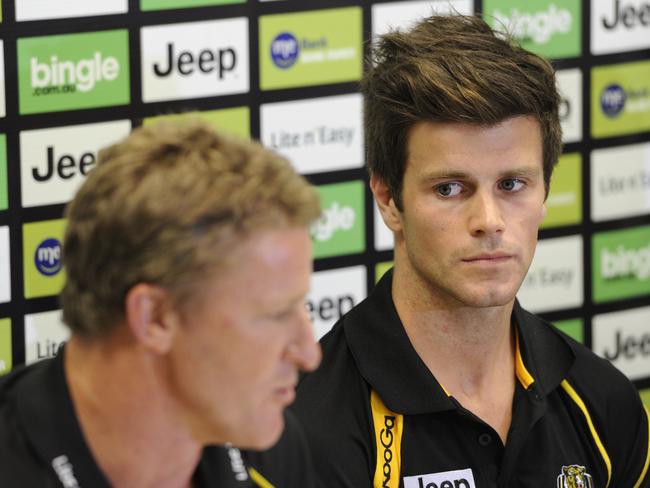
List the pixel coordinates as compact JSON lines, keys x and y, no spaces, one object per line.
{"x":456,"y":147}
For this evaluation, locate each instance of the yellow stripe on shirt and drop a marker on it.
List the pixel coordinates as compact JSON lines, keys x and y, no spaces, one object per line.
{"x":647,"y":455}
{"x":258,"y":479}
{"x":603,"y":452}
{"x":388,"y":437}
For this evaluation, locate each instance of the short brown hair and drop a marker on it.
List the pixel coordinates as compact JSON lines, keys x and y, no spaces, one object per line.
{"x":452,"y":69}
{"x":163,"y":207}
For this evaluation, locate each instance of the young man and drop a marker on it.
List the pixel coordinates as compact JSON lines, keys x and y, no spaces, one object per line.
{"x":188,"y":258}
{"x":439,"y":379}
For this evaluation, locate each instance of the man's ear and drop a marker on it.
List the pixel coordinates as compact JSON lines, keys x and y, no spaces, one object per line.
{"x":389,"y":212}
{"x":151,"y":317}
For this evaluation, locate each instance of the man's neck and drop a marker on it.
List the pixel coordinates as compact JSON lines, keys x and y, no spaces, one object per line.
{"x":470,"y":351}
{"x":129,"y":423}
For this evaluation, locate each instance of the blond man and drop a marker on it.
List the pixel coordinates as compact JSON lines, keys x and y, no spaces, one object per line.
{"x":188,"y":258}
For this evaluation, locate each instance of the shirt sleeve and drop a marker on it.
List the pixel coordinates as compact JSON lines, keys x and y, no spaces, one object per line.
{"x":629,"y":425}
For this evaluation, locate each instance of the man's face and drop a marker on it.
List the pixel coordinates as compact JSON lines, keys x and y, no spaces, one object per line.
{"x":235,"y":361}
{"x":473,"y":200}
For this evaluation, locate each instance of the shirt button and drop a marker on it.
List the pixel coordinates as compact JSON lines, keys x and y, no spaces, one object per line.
{"x":485,"y":439}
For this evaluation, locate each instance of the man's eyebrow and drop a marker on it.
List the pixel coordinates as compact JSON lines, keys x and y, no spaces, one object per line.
{"x":522,"y":171}
{"x":530,"y":171}
{"x":445,"y":175}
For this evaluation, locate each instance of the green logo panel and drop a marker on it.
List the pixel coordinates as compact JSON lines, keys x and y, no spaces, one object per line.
{"x":620,"y":99}
{"x":44,"y":275}
{"x":168,"y":4}
{"x":310,"y":48}
{"x":73,"y":71}
{"x":6,"y":358}
{"x":573,"y":328}
{"x":551,"y":29}
{"x":564,"y":202}
{"x":341,"y":227}
{"x":4,"y":202}
{"x":235,"y":121}
{"x":621,"y":264}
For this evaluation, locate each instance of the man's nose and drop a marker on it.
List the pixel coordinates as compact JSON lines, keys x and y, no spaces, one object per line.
{"x":485,"y":214}
{"x":305,"y":351}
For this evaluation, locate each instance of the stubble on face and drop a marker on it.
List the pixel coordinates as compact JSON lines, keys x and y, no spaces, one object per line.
{"x":472,"y":247}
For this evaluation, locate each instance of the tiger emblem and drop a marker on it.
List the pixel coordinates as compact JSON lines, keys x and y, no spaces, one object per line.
{"x":574,"y":476}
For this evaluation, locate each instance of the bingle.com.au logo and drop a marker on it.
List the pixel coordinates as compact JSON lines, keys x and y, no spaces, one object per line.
{"x":334,"y":218}
{"x":537,"y":27}
{"x":73,"y":71}
{"x":47,"y":257}
{"x":68,"y":76}
{"x":623,"y":262}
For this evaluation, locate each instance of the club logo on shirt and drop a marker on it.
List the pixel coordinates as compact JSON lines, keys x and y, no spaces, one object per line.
{"x":574,"y":476}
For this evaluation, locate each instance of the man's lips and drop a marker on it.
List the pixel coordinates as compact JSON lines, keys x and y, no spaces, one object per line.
{"x":487,"y":258}
{"x":285,"y":394}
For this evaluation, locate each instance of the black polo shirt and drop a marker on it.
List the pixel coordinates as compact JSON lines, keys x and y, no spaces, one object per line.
{"x":42,"y":446}
{"x":575,"y":417}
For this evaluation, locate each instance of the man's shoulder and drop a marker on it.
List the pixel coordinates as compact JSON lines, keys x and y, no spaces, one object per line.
{"x":590,"y":373}
{"x":337,"y":375}
{"x":19,"y":463}
{"x":598,"y":380}
{"x":287,"y":463}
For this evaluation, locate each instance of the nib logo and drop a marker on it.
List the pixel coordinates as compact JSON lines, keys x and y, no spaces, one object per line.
{"x":623,"y":263}
{"x":67,"y":76}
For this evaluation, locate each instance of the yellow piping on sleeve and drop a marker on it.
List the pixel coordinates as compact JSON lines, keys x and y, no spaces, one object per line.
{"x":259,"y":480}
{"x":603,"y":452}
{"x":647,"y":456}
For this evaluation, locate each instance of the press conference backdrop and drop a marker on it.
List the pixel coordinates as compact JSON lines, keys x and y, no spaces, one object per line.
{"x":76,"y":75}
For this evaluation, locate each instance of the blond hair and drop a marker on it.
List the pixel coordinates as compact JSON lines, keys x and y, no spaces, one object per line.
{"x":164,"y":206}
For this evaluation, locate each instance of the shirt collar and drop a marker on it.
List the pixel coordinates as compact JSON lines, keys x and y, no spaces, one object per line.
{"x":389,"y":363}
{"x":48,"y":419}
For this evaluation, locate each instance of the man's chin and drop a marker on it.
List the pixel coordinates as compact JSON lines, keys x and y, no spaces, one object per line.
{"x":264,"y":437}
{"x":490,"y":298}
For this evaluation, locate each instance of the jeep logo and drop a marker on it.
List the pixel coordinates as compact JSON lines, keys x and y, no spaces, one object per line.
{"x":460,"y":483}
{"x":629,"y":347}
{"x":221,"y":61}
{"x":460,"y":478}
{"x":628,"y":16}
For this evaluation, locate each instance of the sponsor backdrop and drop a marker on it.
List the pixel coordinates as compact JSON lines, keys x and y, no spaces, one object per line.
{"x":79,"y":74}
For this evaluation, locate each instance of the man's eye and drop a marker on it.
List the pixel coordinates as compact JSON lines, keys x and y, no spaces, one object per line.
{"x":512,"y":185}
{"x":449,"y":189}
